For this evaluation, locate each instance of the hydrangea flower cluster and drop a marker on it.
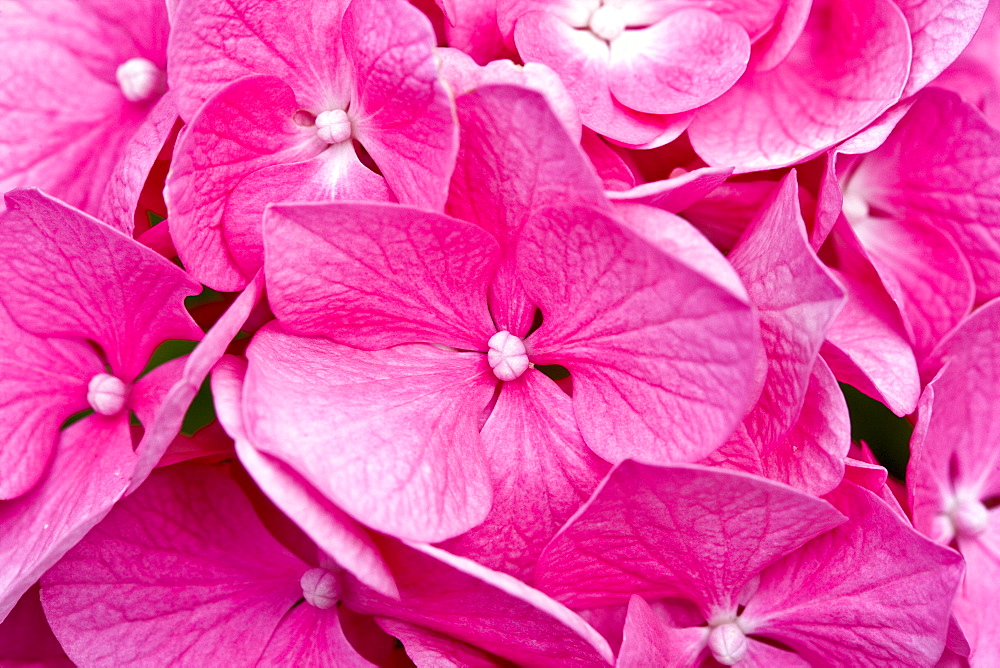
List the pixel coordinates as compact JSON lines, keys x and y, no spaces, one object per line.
{"x":473,"y":333}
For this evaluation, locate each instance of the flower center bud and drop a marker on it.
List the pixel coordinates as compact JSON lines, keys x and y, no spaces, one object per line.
{"x":969,"y":517}
{"x":320,"y":588}
{"x":106,"y":394}
{"x":507,"y":356}
{"x":728,"y":643}
{"x":607,"y":22}
{"x":333,"y":126}
{"x":140,"y":80}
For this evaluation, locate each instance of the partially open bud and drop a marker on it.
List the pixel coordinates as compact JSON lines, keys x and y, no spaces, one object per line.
{"x":106,"y":394}
{"x":607,"y":22}
{"x":320,"y":588}
{"x":333,"y":126}
{"x":140,"y":80}
{"x":970,"y":517}
{"x":507,"y":356}
{"x":728,"y":643}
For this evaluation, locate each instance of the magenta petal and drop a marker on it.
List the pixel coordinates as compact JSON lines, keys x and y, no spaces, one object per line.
{"x":404,"y":114}
{"x":44,"y":382}
{"x":391,"y":436}
{"x":610,"y":299}
{"x":329,"y":527}
{"x":428,"y":649}
{"x":121,"y":197}
{"x":89,"y":473}
{"x":677,"y":193}
{"x":848,"y":66}
{"x":169,"y":414}
{"x":828,"y":602}
{"x":679,"y":63}
{"x":66,"y":274}
{"x":940,"y":166}
{"x":648,"y":642}
{"x":672,"y":531}
{"x":183,"y":570}
{"x":796,"y":299}
{"x":27,"y":640}
{"x":489,"y":610}
{"x":541,"y":471}
{"x":246,"y":127}
{"x":940,"y":29}
{"x":308,"y":637}
{"x":377,"y":275}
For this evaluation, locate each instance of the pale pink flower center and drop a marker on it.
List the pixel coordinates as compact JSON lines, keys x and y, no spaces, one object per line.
{"x":969,"y":517}
{"x":728,"y":643}
{"x":106,"y":394}
{"x":607,"y":22}
{"x":320,"y":588}
{"x":333,"y":126}
{"x":140,"y":80}
{"x":507,"y":356}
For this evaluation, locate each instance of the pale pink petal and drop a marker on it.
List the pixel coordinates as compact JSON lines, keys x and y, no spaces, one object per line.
{"x":680,"y":63}
{"x":124,"y":185}
{"x":44,"y":382}
{"x":89,"y":473}
{"x":677,"y":193}
{"x":66,"y":274}
{"x":940,"y":29}
{"x":308,"y":637}
{"x":648,"y":642}
{"x":391,"y":437}
{"x":830,"y":603}
{"x":542,"y":473}
{"x":182,"y":571}
{"x":215,"y":42}
{"x":940,"y":166}
{"x":464,"y":76}
{"x":623,"y":318}
{"x":26,"y":639}
{"x":378,"y":275}
{"x":695,"y":532}
{"x":796,"y":299}
{"x":332,"y":530}
{"x":402,"y":113}
{"x":489,"y":610}
{"x":868,"y":345}
{"x":246,"y":127}
{"x":848,"y":66}
{"x":428,"y":649}
{"x":937,"y":287}
{"x":580,"y":58}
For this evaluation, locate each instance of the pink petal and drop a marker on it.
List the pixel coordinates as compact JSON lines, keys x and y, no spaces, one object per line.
{"x":246,"y":127}
{"x":169,"y":414}
{"x":89,"y":473}
{"x":940,"y":166}
{"x":183,"y":570}
{"x":391,"y":437}
{"x":616,"y":175}
{"x":941,"y":29}
{"x":609,"y":299}
{"x":491,"y":611}
{"x":581,"y":60}
{"x":826,"y":600}
{"x":65,"y":274}
{"x":472,"y":27}
{"x":649,"y":642}
{"x":541,"y":470}
{"x":687,"y":59}
{"x":333,"y":531}
{"x":377,"y":275}
{"x":125,"y":183}
{"x":688,"y":531}
{"x":215,"y":42}
{"x":976,"y":333}
{"x":677,"y":193}
{"x":796,"y":299}
{"x":976,"y":605}
{"x":310,"y":637}
{"x":44,"y":382}
{"x":848,"y":66}
{"x":404,"y":114}
{"x":27,"y":640}
{"x":428,"y":649}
